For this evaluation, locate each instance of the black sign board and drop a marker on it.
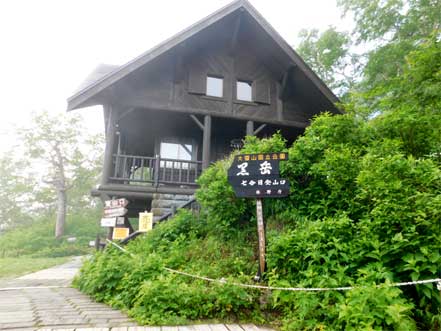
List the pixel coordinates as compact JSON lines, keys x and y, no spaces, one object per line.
{"x":257,"y":176}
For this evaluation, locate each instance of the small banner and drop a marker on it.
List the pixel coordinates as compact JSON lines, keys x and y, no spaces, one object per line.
{"x":145,"y":222}
{"x":120,"y":233}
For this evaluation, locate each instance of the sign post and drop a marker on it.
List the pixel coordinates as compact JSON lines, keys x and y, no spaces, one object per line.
{"x":258,"y":176}
{"x":115,"y":218}
{"x":261,"y":233}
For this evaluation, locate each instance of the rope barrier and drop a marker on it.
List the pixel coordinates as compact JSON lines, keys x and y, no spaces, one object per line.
{"x":275,"y":288}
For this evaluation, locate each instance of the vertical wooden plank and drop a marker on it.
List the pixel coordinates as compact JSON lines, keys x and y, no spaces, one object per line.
{"x":250,"y":128}
{"x":110,"y":142}
{"x":142,"y":169}
{"x":279,"y":102}
{"x":261,"y":233}
{"x":188,"y":173}
{"x":172,"y":171}
{"x":124,"y":167}
{"x":206,"y":142}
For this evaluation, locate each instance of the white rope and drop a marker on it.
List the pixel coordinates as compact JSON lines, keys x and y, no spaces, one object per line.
{"x":275,"y":288}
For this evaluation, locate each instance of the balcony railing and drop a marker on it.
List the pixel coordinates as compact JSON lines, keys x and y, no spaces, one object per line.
{"x":145,"y":170}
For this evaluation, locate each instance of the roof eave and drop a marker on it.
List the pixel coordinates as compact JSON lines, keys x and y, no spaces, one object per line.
{"x":80,"y":97}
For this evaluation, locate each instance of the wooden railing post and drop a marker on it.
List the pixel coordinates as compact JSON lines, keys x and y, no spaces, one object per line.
{"x":157,"y":168}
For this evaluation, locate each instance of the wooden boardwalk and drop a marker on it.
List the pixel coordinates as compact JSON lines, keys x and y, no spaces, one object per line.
{"x":44,"y":301}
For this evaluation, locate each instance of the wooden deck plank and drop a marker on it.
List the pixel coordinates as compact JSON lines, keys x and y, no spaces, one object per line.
{"x":234,"y":327}
{"x":249,"y":327}
{"x":201,"y":327}
{"x":169,"y":328}
{"x":218,"y":327}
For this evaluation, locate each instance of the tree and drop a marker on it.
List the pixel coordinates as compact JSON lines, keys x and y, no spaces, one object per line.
{"x":390,"y":30}
{"x":14,"y":192}
{"x":328,"y":54}
{"x":385,"y":33}
{"x":56,"y":146}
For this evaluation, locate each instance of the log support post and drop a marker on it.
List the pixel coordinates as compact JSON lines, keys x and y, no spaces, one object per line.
{"x":250,"y":128}
{"x":206,"y":139}
{"x":110,"y":143}
{"x":206,"y":142}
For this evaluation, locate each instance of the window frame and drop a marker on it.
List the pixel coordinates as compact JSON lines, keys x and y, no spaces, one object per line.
{"x":222,"y":90}
{"x":246,"y":81}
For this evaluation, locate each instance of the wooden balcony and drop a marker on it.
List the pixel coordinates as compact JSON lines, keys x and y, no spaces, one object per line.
{"x":154,"y":171}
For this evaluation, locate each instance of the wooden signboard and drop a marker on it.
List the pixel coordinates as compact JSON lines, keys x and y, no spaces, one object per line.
{"x":145,"y":222}
{"x":120,"y":233}
{"x":115,"y":203}
{"x":112,"y":221}
{"x":108,"y":222}
{"x":258,"y":176}
{"x":115,"y":212}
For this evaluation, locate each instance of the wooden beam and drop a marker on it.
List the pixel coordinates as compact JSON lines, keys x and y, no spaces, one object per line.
{"x":125,"y":113}
{"x":185,"y":110}
{"x":260,"y":128}
{"x":110,"y":143}
{"x":121,"y":190}
{"x":197,"y":122}
{"x":206,"y":142}
{"x":235,"y":35}
{"x":279,"y":102}
{"x":250,"y":128}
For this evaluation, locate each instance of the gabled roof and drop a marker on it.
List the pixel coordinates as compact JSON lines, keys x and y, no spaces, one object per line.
{"x":80,"y":97}
{"x":97,"y":74}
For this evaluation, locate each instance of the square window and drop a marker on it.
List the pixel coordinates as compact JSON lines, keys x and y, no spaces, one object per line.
{"x":244,"y":90}
{"x":215,"y":86}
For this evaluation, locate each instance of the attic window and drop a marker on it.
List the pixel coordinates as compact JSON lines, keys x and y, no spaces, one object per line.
{"x":215,"y":87}
{"x":244,"y":90}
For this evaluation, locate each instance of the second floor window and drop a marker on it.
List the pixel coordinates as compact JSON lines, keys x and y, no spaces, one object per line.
{"x":215,"y":87}
{"x":244,"y":90}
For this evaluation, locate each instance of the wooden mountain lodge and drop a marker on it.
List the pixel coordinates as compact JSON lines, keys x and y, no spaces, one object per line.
{"x":191,"y":100}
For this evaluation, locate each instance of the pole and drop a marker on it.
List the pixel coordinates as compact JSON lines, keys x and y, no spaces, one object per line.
{"x":261,"y":233}
{"x":206,"y":142}
{"x":250,"y":128}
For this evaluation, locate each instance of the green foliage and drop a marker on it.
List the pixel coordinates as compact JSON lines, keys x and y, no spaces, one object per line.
{"x":140,"y":285}
{"x":37,"y":239}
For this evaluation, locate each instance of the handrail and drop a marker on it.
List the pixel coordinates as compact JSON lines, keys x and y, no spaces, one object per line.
{"x":155,"y":170}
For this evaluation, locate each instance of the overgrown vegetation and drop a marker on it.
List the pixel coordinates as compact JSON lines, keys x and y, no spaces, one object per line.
{"x":37,"y":239}
{"x":364,"y":210}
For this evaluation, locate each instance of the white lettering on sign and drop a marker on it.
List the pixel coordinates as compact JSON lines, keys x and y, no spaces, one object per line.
{"x":243,"y":169}
{"x":265,"y":168}
{"x":108,"y":221}
{"x":261,"y":182}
